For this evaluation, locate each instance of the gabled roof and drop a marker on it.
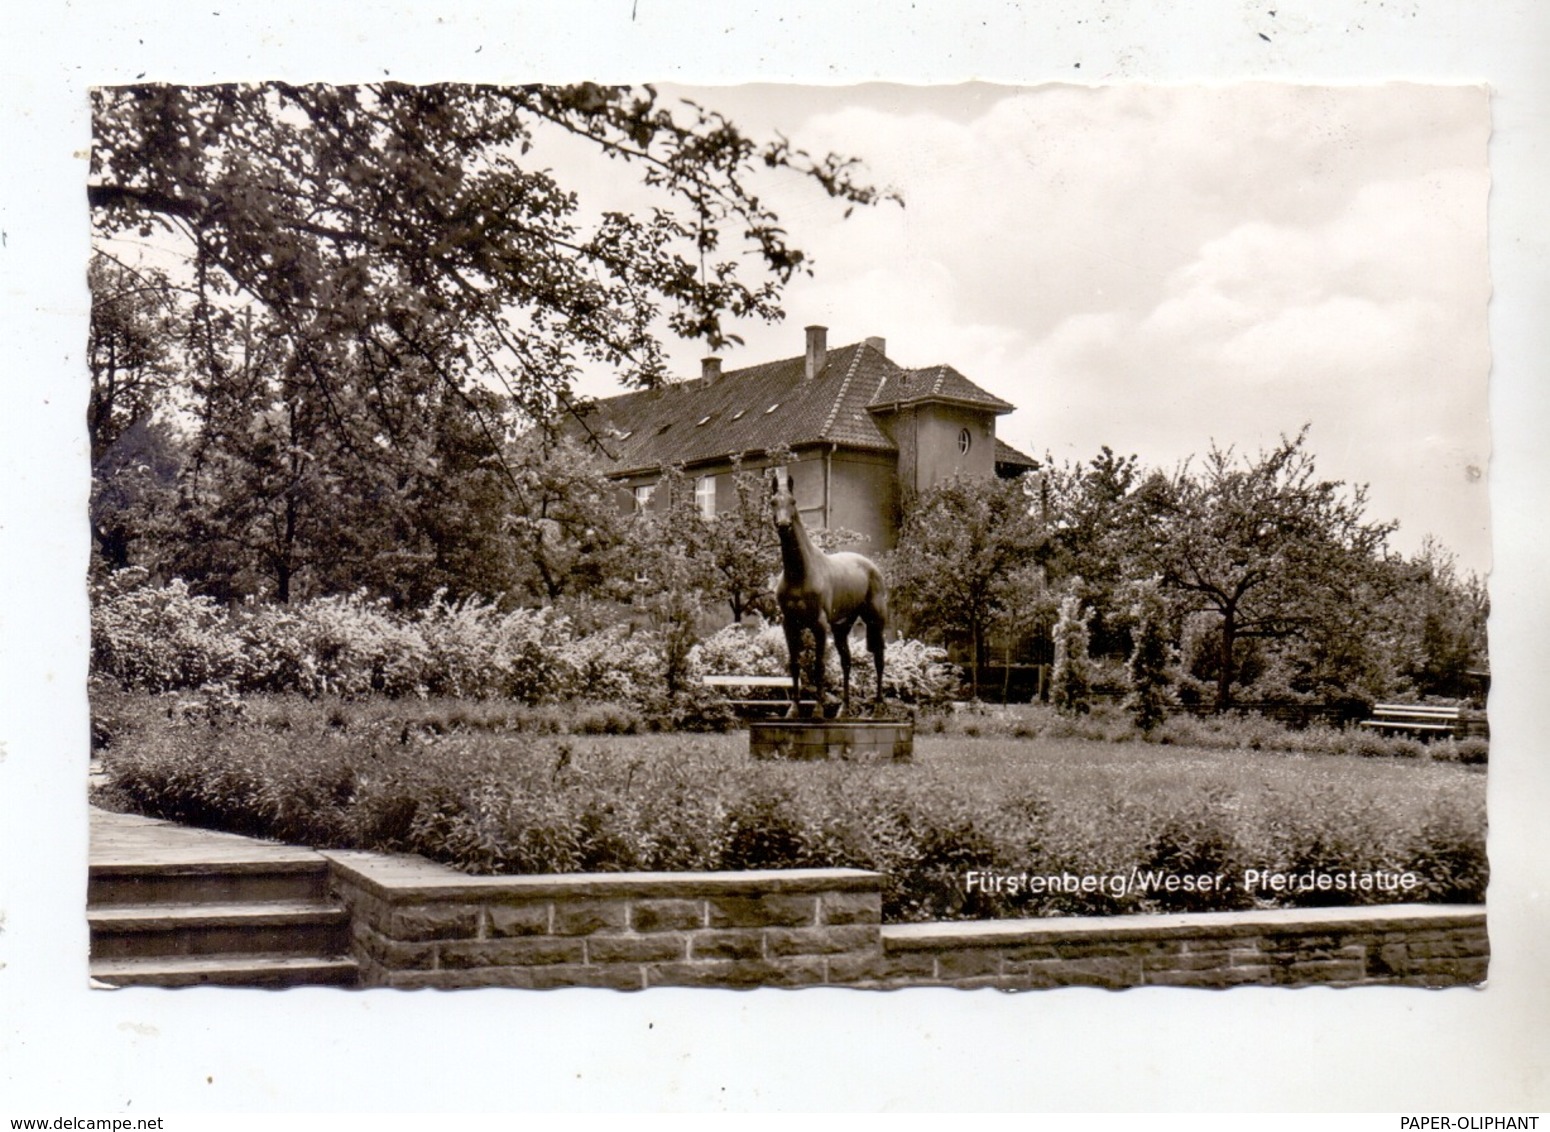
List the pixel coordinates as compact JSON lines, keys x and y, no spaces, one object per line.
{"x":935,"y":383}
{"x":1009,"y":457}
{"x":766,"y":406}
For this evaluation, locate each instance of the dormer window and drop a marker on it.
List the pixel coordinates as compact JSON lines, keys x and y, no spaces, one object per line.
{"x":737,"y":416}
{"x":705,"y":420}
{"x":772,"y":408}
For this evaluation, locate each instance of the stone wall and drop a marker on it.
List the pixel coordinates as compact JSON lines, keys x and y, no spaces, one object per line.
{"x":1408,"y":945}
{"x":416,"y":924}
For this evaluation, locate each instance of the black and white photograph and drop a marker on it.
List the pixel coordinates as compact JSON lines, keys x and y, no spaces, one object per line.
{"x":481,"y":550}
{"x":958,"y":545}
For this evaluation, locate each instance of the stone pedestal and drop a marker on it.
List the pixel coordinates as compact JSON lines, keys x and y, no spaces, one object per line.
{"x":847,"y":740}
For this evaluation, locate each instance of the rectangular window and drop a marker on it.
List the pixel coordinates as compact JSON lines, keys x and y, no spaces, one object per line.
{"x":705,"y":496}
{"x":643,"y":494}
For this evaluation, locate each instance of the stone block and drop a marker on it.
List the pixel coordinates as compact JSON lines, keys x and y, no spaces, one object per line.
{"x":1464,"y":969}
{"x":1241,"y":956}
{"x":391,"y":954}
{"x":991,"y":982}
{"x":432,"y":921}
{"x":525,"y":919}
{"x":657,"y":947}
{"x":828,"y":940}
{"x":859,"y":967}
{"x":461,"y":979}
{"x":1101,"y":950}
{"x":775,"y":910}
{"x":617,"y":977}
{"x":967,"y":963}
{"x":912,"y":965}
{"x":667,"y":915}
{"x":1112,"y":971}
{"x":1030,"y":952}
{"x":739,"y":974}
{"x":1200,"y":961}
{"x":1217,"y":978}
{"x":1315,"y":971}
{"x":851,"y":908}
{"x":1388,"y":959}
{"x":534,"y":952}
{"x":1443,"y":949}
{"x":726,"y":944}
{"x":588,"y":916}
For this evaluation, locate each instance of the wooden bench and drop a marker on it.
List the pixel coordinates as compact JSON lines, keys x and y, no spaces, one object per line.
{"x":742,"y":693}
{"x":1424,"y":720}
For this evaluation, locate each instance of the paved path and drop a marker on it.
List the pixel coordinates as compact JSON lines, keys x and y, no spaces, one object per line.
{"x":128,"y":839}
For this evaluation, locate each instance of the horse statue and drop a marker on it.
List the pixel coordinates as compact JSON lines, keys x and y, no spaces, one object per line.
{"x":824,"y":593}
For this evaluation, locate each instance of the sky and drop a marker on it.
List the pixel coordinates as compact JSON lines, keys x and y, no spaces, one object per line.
{"x":1163,"y":268}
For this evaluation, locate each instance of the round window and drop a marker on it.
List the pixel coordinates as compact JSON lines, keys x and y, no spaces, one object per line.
{"x":964,"y":440}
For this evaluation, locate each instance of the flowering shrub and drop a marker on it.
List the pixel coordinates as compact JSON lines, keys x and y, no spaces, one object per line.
{"x":348,"y":645}
{"x":745,"y":650}
{"x":164,"y":638}
{"x":160,"y":639}
{"x":621,"y":664}
{"x":486,"y":800}
{"x":913,"y":671}
{"x":475,"y":650}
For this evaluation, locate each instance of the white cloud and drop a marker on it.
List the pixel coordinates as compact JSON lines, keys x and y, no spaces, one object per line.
{"x":1155,"y":268}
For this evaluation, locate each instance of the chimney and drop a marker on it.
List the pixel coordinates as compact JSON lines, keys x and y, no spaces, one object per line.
{"x":817,"y":350}
{"x":878,"y":344}
{"x":710,"y":369}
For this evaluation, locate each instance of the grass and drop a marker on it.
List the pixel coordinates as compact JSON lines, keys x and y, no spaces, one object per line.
{"x":497,"y":794}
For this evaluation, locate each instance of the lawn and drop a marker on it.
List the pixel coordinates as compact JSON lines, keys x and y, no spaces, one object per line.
{"x":483,"y":797}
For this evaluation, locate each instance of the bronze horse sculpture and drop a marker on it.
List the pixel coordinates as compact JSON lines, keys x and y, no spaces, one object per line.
{"x":824,"y":594}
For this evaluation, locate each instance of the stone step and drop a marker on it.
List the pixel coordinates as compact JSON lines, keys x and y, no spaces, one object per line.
{"x":273,"y":971}
{"x":273,"y":927}
{"x":226,"y":882}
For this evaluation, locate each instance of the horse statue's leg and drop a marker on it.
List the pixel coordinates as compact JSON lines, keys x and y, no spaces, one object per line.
{"x":794,"y":652}
{"x":819,"y":635}
{"x":874,"y":644}
{"x":842,"y":646}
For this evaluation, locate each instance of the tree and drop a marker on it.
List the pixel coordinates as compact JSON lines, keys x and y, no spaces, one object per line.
{"x":563,"y":518}
{"x":743,"y":548}
{"x":134,"y":495}
{"x":1071,"y":674}
{"x":397,"y":223}
{"x":1438,"y":617}
{"x":131,"y":349}
{"x":966,"y":560}
{"x":1090,"y":513}
{"x":268,"y":502}
{"x":1149,"y":655}
{"x":674,"y":577}
{"x":380,"y":285}
{"x":131,"y":353}
{"x":1269,"y":548}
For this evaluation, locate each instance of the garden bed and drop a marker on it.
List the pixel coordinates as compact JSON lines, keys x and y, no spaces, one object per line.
{"x":492,"y":791}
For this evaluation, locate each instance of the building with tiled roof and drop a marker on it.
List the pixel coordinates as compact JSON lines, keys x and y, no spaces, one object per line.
{"x":862,"y":430}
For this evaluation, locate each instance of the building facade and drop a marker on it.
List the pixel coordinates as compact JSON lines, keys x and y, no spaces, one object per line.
{"x":862,"y":433}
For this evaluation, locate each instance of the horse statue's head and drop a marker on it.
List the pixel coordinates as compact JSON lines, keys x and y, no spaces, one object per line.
{"x":783,"y":502}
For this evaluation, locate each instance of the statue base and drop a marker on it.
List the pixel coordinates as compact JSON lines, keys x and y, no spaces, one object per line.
{"x":843,"y":740}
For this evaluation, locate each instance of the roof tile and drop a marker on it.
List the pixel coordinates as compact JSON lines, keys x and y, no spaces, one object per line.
{"x":766,"y":406}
